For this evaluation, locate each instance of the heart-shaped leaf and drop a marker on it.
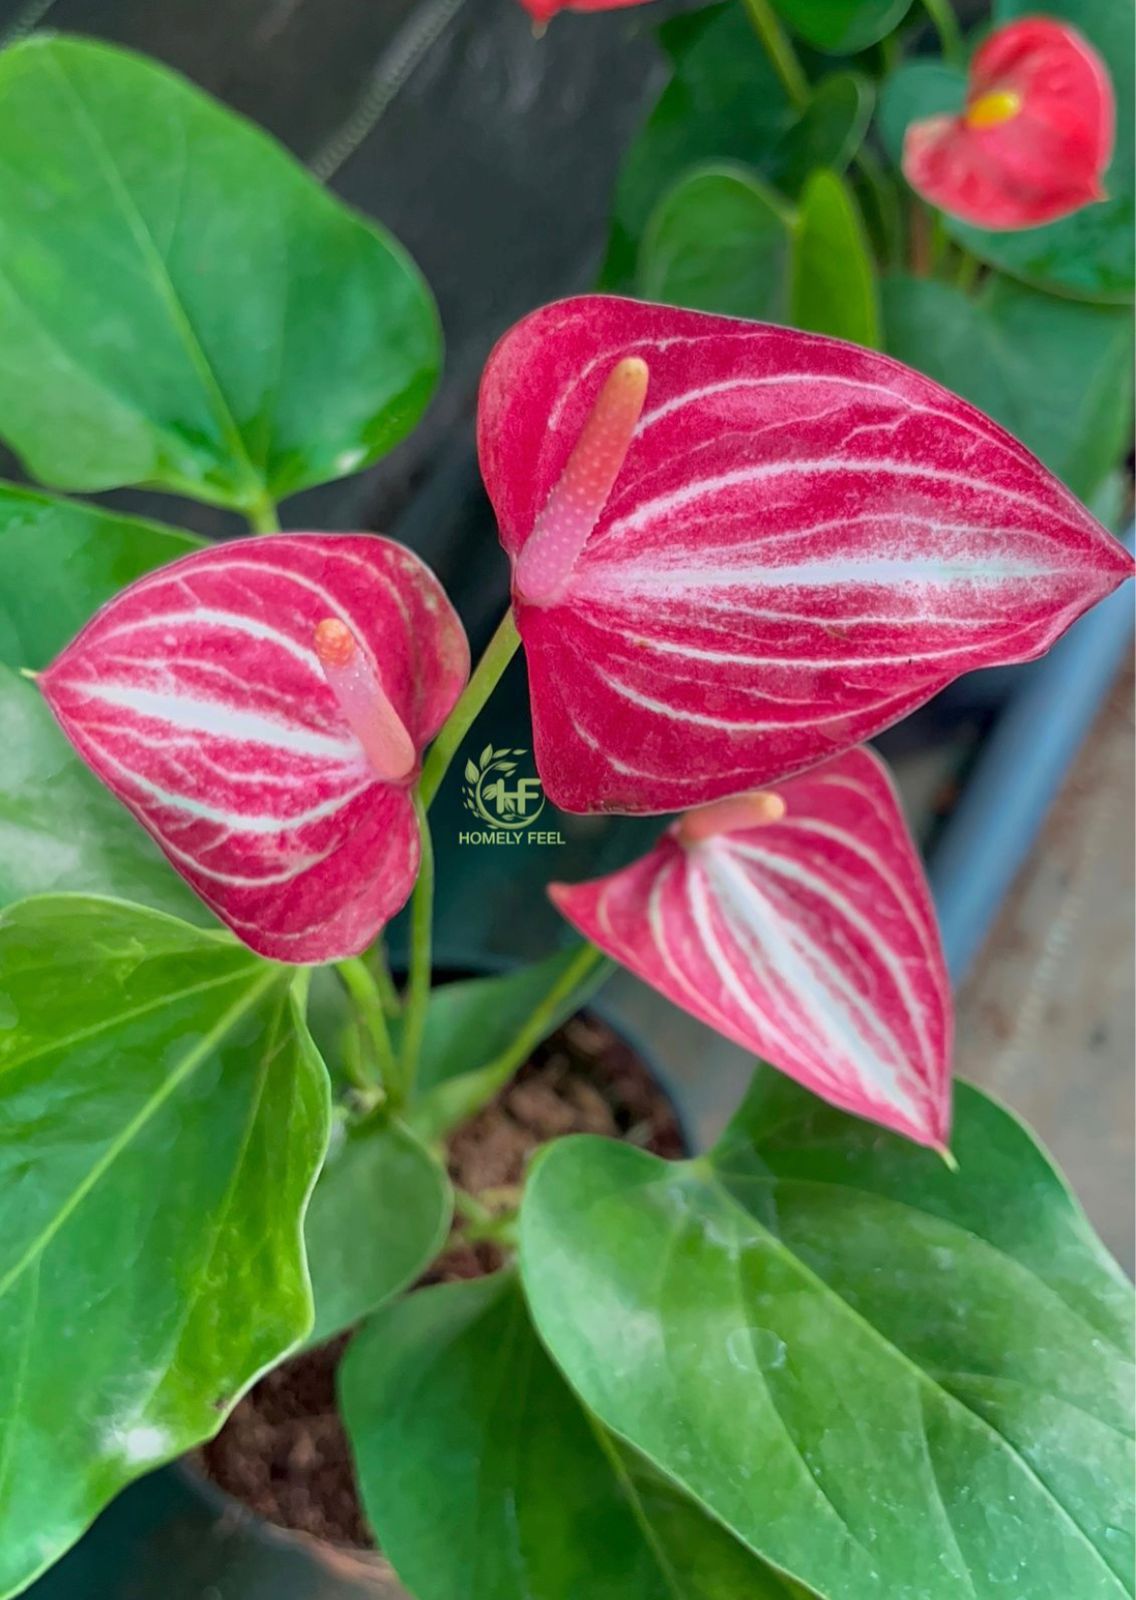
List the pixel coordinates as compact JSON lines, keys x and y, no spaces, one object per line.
{"x":833,"y":288}
{"x":182,"y":305}
{"x":724,"y":102}
{"x":1056,"y":373}
{"x":163,"y":1115}
{"x":720,"y":240}
{"x":459,"y":1420}
{"x":1090,"y":254}
{"x":792,"y":544}
{"x":725,"y":105}
{"x":379,"y":1215}
{"x":723,"y":241}
{"x":842,"y":27}
{"x":829,"y":133}
{"x":885,"y":1378}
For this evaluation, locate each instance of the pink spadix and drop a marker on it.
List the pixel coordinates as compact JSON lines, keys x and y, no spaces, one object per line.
{"x":730,"y":816}
{"x":364,"y":702}
{"x":799,"y":924}
{"x":582,"y":490}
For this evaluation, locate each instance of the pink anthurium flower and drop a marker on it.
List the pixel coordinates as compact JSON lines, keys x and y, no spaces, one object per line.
{"x":1036,"y":135}
{"x":261,"y":707}
{"x":739,"y":549}
{"x":798,"y":923}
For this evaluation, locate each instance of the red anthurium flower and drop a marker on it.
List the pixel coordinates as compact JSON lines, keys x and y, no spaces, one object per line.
{"x":739,"y":549}
{"x":798,"y":923}
{"x":544,"y":10}
{"x":1035,"y":138}
{"x":260,"y":707}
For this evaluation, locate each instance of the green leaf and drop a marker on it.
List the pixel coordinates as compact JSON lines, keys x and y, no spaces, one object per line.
{"x":379,"y":1215}
{"x":719,"y":241}
{"x":841,"y":27}
{"x":724,"y":102}
{"x":887,"y":1379}
{"x":472,"y":1027}
{"x":60,"y":829}
{"x":460,"y":1422}
{"x":829,"y":133}
{"x":163,"y":1115}
{"x":1056,"y":373}
{"x":61,"y":560}
{"x":833,"y":286}
{"x":1090,"y":254}
{"x":180,"y":303}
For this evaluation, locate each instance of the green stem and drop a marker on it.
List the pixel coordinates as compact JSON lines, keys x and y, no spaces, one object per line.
{"x":778,"y":48}
{"x":479,"y":1222}
{"x":364,"y":991}
{"x":946,"y":25}
{"x":418,"y":978}
{"x":262,"y":516}
{"x":380,"y":971}
{"x":885,"y":203}
{"x":967,"y":271}
{"x":487,"y":674}
{"x":456,"y":1100}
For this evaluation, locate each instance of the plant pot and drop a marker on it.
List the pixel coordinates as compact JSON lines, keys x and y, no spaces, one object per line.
{"x":177,"y":1536}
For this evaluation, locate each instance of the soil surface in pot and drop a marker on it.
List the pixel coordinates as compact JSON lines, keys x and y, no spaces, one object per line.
{"x":283,"y":1452}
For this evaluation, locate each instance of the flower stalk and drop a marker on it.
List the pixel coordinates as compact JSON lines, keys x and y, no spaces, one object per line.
{"x":486,"y":676}
{"x":782,"y":56}
{"x":421,"y":940}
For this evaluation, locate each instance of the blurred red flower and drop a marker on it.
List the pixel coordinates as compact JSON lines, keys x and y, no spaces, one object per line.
{"x":544,"y":10}
{"x":1034,"y":139}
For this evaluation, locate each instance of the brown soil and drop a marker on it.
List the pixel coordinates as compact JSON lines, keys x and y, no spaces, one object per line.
{"x":283,"y":1452}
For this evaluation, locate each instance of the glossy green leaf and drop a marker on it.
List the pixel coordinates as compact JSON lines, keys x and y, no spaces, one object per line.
{"x":841,"y":27}
{"x":724,"y":102}
{"x":180,"y":303}
{"x":1089,"y":255}
{"x":1056,"y":373}
{"x":829,"y":133}
{"x":162,"y":1119}
{"x":833,"y":280}
{"x":60,"y":829}
{"x":472,"y":1027}
{"x":886,"y":1378}
{"x":379,"y":1215}
{"x":61,"y":560}
{"x":484,"y":1477}
{"x":721,"y":241}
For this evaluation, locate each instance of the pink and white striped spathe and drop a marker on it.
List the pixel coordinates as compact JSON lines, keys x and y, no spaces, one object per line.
{"x":804,"y":933}
{"x":739,"y":549}
{"x":198,"y":696}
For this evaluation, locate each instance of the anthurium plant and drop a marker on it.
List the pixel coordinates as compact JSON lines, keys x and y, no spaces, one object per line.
{"x":867,"y":1344}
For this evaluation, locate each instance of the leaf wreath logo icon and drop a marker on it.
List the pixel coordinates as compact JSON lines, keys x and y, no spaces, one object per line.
{"x":495,"y":792}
